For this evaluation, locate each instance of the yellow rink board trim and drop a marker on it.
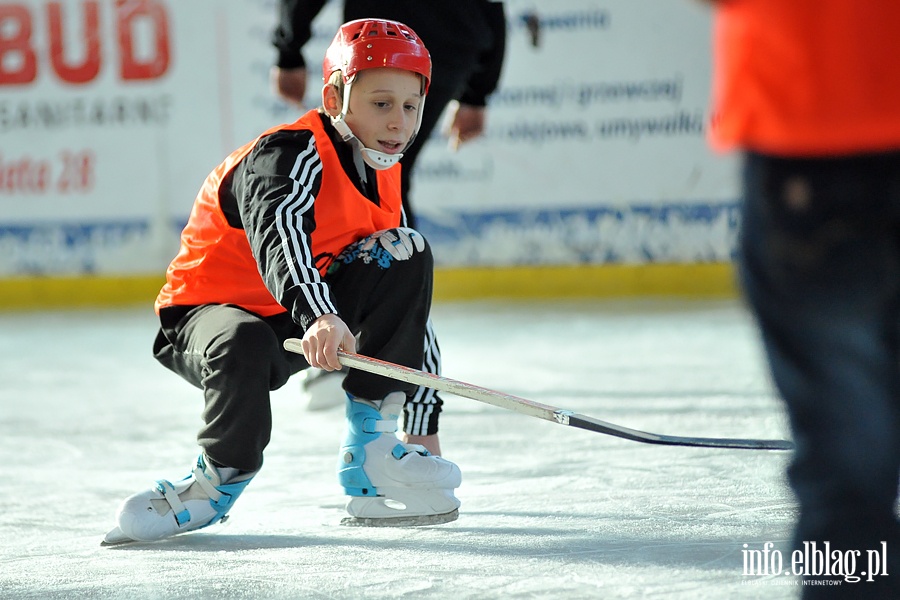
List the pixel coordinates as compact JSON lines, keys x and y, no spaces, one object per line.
{"x":710,"y":280}
{"x":32,"y":293}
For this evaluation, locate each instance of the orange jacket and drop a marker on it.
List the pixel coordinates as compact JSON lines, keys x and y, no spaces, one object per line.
{"x":806,"y":77}
{"x":215,"y":264}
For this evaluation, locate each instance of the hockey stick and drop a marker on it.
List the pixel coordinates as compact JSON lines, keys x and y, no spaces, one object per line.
{"x":535,"y":409}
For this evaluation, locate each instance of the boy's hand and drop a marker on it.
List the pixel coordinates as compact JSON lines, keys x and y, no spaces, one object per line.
{"x":322,"y":340}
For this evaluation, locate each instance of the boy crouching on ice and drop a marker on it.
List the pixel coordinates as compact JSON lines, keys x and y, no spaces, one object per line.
{"x":300,"y":234}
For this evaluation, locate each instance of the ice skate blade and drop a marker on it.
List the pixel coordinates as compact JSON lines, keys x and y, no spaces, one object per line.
{"x":116,"y":538}
{"x":404,"y":521}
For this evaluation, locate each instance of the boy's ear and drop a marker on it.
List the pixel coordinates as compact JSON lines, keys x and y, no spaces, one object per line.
{"x":331,"y":100}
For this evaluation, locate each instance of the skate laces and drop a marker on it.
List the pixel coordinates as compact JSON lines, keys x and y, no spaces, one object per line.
{"x":173,"y":498}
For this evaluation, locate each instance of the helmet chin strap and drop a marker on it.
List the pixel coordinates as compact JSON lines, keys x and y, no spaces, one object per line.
{"x":375,"y":159}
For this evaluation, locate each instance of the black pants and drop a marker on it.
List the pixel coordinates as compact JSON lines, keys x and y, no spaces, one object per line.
{"x":820,"y":264}
{"x":236,"y":357}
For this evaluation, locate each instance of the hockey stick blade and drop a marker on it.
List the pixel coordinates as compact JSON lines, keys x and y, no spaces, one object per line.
{"x":536,"y":409}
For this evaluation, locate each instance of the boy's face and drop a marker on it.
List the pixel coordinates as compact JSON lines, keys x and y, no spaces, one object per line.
{"x":384,"y":108}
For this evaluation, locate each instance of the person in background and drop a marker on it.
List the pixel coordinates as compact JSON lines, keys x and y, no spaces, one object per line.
{"x":467,"y":41}
{"x":809,"y":90}
{"x":299,"y":234}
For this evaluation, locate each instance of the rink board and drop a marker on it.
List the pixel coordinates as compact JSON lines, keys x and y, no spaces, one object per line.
{"x":112,"y":114}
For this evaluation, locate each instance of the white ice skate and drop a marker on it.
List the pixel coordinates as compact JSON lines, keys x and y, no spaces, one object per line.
{"x":391,"y":483}
{"x":199,"y":500}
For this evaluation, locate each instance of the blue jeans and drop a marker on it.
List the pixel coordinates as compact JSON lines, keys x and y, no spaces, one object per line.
{"x":820,"y":268}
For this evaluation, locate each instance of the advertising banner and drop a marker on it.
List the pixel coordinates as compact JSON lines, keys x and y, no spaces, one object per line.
{"x":112,"y":112}
{"x":595,"y":151}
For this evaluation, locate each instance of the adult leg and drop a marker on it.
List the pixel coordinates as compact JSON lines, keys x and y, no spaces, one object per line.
{"x":820,"y":267}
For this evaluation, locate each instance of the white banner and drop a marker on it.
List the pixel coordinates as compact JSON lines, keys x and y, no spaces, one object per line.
{"x":112,"y":112}
{"x":595,"y":151}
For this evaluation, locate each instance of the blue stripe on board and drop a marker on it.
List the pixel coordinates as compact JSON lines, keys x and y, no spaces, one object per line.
{"x":66,"y":248}
{"x":638,"y":233}
{"x":677,"y":232}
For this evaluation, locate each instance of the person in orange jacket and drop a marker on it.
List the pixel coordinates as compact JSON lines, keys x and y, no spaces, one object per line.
{"x":809,"y":90}
{"x":300,"y":233}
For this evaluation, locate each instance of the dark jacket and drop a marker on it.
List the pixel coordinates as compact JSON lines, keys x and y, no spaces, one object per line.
{"x":466,"y":38}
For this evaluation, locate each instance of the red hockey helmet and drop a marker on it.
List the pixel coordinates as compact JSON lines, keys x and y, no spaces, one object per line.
{"x":370,"y":43}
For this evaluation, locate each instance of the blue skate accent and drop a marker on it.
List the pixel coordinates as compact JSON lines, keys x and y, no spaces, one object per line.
{"x":361,"y":420}
{"x":230,"y":493}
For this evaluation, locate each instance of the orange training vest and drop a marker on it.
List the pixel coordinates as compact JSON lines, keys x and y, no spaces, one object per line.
{"x":807,"y":77}
{"x":215,"y":264}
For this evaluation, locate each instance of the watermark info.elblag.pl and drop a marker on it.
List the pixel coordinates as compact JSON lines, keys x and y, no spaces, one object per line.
{"x":817,"y":563}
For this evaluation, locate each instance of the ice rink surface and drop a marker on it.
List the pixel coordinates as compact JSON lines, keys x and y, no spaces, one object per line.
{"x":88,"y":418}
